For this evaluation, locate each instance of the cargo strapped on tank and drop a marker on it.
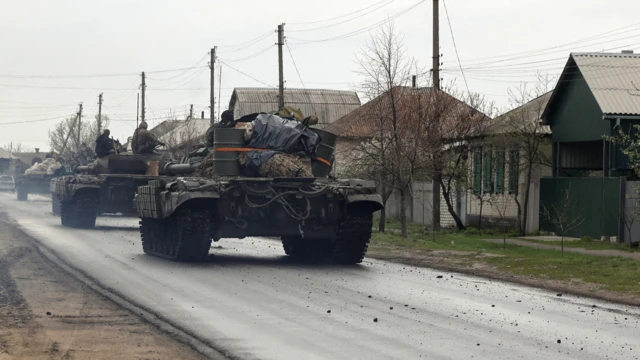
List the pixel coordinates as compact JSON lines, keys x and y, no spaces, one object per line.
{"x":324,"y":161}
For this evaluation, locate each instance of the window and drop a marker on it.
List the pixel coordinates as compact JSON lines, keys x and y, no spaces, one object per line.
{"x":477,"y":171}
{"x":488,"y":172}
{"x":500,"y":171}
{"x":514,"y":171}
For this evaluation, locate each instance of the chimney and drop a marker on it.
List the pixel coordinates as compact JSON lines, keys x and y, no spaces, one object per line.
{"x":202,"y":115}
{"x":628,"y":52}
{"x":413,"y":81}
{"x":37,"y":150}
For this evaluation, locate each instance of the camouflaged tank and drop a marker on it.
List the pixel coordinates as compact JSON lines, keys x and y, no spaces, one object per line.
{"x":316,"y":218}
{"x":108,"y":187}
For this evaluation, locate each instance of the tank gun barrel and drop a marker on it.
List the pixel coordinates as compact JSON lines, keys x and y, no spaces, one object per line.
{"x":177,"y":169}
{"x":83,"y":169}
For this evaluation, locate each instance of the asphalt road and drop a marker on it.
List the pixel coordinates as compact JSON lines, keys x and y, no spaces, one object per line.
{"x":249,"y":300}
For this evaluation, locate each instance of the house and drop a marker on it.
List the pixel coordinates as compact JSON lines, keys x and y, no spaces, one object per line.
{"x":5,"y":161}
{"x":414,"y":107}
{"x":160,"y":129}
{"x":596,"y":94}
{"x":327,"y":105}
{"x":498,"y":162}
{"x":24,"y":160}
{"x":185,"y":137}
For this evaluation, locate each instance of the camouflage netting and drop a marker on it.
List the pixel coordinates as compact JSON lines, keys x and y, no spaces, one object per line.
{"x":283,"y":165}
{"x":205,"y":168}
{"x":47,"y":167}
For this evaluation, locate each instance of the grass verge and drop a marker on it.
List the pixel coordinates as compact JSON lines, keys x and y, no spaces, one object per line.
{"x":467,"y":251}
{"x":588,"y":244}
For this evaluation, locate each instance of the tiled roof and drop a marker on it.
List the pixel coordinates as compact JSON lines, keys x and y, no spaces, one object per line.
{"x":371,"y":117}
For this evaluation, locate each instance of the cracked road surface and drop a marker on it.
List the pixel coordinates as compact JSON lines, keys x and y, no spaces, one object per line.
{"x":249,"y":301}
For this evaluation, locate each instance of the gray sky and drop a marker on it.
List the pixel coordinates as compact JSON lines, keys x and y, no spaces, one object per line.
{"x":500,"y":42}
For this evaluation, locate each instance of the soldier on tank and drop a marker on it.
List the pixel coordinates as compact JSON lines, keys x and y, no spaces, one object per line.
{"x":143,"y":141}
{"x":226,"y":120}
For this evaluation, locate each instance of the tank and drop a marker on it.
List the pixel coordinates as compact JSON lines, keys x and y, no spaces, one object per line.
{"x":37,"y":183}
{"x":317,"y":218}
{"x":108,"y":187}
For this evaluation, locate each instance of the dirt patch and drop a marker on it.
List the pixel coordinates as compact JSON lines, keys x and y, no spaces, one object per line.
{"x":471,"y":263}
{"x":45,"y":314}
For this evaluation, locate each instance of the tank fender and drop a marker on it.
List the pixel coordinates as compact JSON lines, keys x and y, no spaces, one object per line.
{"x":178,"y":199}
{"x":363,"y":204}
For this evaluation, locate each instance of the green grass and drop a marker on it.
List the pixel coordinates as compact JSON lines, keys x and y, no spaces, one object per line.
{"x":589,"y":244}
{"x":609,"y":272}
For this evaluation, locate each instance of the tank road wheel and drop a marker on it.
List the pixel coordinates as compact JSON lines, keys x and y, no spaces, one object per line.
{"x":55,"y":204}
{"x":80,"y":213}
{"x":354,"y":234}
{"x":22,"y":194}
{"x":184,"y":236}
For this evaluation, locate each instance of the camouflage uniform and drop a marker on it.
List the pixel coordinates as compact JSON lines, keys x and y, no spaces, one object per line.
{"x":143,"y":141}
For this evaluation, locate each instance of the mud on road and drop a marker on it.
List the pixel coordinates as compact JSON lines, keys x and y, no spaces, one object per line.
{"x":45,"y":314}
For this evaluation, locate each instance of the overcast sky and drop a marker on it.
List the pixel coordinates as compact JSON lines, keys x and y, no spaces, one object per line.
{"x":50,"y":50}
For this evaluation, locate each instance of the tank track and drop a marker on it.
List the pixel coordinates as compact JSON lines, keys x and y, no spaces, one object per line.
{"x":22,"y":194}
{"x":55,"y":204}
{"x":184,"y":236}
{"x":80,"y":213}
{"x":354,"y":235}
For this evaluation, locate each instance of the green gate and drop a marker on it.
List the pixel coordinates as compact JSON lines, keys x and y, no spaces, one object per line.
{"x":591,"y":204}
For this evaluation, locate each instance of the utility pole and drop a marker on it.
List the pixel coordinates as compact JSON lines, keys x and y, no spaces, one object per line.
{"x":280,"y":67}
{"x":144,"y":85}
{"x":191,"y":112}
{"x":436,"y":45}
{"x":219,"y":89}
{"x":212,"y":99}
{"x":99,"y":114}
{"x":435,"y":208}
{"x":79,"y":124}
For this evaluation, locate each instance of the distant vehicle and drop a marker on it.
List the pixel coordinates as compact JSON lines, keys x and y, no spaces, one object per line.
{"x":95,"y":190}
{"x":7,"y":183}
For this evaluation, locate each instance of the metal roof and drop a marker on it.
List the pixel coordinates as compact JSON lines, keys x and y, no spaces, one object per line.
{"x":526,"y":117}
{"x":190,"y":130}
{"x":4,"y":154}
{"x":613,"y":78}
{"x":327,"y":105}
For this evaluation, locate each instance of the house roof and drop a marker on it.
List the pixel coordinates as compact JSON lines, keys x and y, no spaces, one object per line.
{"x":27,"y":157}
{"x":368,"y":119}
{"x":165,"y":126}
{"x":526,"y":116}
{"x":4,"y":154}
{"x":327,"y":105}
{"x":613,"y":78}
{"x":189,"y":130}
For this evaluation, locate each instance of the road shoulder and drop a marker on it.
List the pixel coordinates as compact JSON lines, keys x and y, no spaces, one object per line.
{"x":45,"y":313}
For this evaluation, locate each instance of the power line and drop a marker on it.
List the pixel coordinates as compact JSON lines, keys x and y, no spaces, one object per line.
{"x":252,"y":55}
{"x":89,"y":75}
{"x":248,"y":41}
{"x":361,"y":30}
{"x":528,"y":53}
{"x":455,"y":47}
{"x":337,"y":17}
{"x":195,"y":65}
{"x":345,"y":21}
{"x":245,"y":74}
{"x":250,"y":44}
{"x":33,"y":121}
{"x":299,"y":76}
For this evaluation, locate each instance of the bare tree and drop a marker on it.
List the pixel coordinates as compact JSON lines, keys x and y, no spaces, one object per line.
{"x":500,"y":204}
{"x":522,"y":131}
{"x":564,"y":214}
{"x":387,"y":69}
{"x":184,"y":138}
{"x":18,"y":147}
{"x":63,"y":139}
